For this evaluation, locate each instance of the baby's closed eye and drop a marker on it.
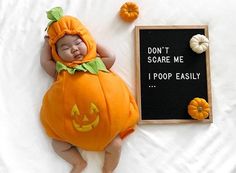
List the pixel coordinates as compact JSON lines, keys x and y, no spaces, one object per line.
{"x":78,"y":42}
{"x":64,"y":47}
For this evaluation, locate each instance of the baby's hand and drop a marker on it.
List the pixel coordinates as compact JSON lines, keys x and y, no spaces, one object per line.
{"x":46,"y":37}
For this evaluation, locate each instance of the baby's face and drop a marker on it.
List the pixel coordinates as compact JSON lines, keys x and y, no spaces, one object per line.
{"x":71,"y":48}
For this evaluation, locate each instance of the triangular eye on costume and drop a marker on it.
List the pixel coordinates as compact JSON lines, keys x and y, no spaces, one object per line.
{"x":54,"y":15}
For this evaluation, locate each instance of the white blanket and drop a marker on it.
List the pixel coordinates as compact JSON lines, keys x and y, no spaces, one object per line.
{"x":191,"y":148}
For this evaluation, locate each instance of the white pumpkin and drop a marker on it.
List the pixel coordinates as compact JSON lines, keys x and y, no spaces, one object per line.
{"x":199,"y":43}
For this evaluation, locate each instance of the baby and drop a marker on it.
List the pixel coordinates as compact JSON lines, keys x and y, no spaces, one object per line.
{"x":87,"y":106}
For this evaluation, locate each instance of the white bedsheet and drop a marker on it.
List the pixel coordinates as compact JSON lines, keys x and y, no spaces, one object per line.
{"x":191,"y":148}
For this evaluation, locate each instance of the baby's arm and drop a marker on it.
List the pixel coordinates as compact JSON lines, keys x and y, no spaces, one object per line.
{"x":107,"y":57}
{"x":46,"y":60}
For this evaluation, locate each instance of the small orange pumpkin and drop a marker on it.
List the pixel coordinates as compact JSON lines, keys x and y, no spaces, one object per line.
{"x":129,"y":11}
{"x":198,"y":108}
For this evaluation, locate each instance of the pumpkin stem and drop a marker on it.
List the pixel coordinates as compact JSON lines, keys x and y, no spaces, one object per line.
{"x":201,"y":42}
{"x":130,"y":9}
{"x":54,"y":15}
{"x":199,"y":108}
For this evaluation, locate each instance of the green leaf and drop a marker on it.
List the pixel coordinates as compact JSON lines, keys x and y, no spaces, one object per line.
{"x":100,"y":65}
{"x":92,"y":67}
{"x":55,"y":13}
{"x":50,"y":16}
{"x":71,"y":70}
{"x":60,"y":66}
{"x":89,"y":68}
{"x":80,"y":68}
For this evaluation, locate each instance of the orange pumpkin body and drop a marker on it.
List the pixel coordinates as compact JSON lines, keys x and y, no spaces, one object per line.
{"x":129,"y":11}
{"x":84,"y":109}
{"x":198,"y":108}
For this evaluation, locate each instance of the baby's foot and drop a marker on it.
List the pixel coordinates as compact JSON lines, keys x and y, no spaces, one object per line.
{"x":78,"y":168}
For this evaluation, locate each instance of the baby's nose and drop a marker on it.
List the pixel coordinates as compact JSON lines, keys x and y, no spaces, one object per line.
{"x":74,"y":48}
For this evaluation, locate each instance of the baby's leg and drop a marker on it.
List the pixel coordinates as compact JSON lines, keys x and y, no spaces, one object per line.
{"x":69,"y":153}
{"x":112,"y":155}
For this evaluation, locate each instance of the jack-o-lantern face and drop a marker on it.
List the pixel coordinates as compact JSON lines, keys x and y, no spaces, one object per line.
{"x":85,"y":122}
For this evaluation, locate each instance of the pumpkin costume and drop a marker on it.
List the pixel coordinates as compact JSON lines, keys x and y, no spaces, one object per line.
{"x":87,"y":105}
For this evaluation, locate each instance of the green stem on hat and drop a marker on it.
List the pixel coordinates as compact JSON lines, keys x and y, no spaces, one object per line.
{"x":54,"y":15}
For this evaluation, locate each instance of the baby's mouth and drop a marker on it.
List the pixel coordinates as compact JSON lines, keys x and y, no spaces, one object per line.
{"x":78,"y":56}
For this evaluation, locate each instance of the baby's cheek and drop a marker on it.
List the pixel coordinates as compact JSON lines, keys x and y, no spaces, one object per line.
{"x":69,"y":56}
{"x":61,"y":53}
{"x":85,"y":50}
{"x":66,"y":53}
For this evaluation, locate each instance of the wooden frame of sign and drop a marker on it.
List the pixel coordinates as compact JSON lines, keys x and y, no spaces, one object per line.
{"x":170,"y":74}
